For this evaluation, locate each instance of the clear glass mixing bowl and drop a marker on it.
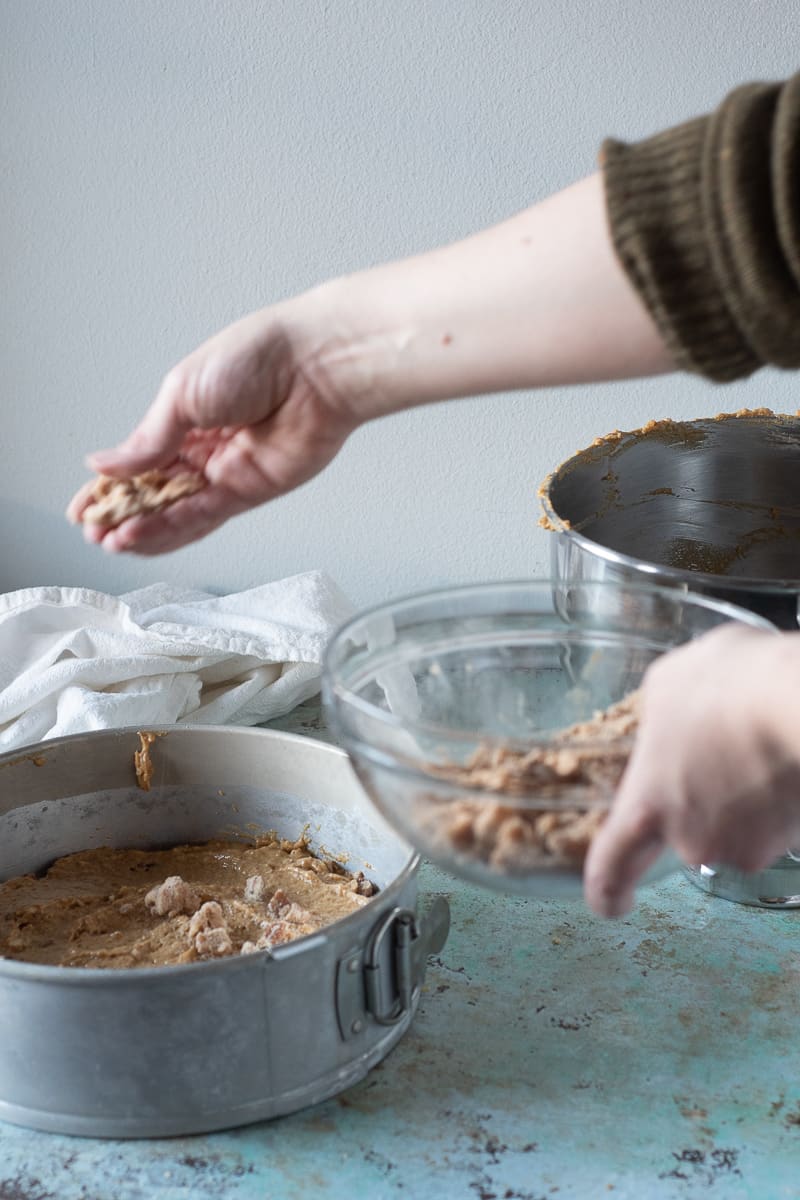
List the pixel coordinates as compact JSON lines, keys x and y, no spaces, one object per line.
{"x":416,"y":688}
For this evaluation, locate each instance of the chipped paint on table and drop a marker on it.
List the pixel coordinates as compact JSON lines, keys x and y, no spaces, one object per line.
{"x":553,"y":1055}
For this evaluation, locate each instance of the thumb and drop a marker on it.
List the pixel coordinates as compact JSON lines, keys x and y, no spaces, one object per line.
{"x":154,"y":442}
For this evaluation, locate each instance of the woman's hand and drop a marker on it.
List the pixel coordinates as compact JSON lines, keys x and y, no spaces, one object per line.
{"x":255,"y":410}
{"x":715,"y":771}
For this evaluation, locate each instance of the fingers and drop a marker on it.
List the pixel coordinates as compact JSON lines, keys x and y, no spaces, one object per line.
{"x":234,"y":483}
{"x":79,"y":501}
{"x":628,"y":843}
{"x":170,"y":528}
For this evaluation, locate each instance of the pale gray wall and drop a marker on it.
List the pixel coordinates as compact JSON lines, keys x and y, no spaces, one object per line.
{"x":167,"y":165}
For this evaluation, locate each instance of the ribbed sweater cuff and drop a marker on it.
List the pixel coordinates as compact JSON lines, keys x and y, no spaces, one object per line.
{"x":656,"y":214}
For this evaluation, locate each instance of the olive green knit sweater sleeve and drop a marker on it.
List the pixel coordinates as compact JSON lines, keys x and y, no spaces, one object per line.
{"x":705,"y":218}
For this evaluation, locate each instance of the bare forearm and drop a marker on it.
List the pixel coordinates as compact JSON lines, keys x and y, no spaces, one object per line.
{"x":536,"y":301}
{"x":266,"y":403}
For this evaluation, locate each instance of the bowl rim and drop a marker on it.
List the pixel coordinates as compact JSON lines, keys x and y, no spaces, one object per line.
{"x":334,"y":691}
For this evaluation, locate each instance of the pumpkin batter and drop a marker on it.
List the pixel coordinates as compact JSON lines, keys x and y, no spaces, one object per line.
{"x":141,"y":908}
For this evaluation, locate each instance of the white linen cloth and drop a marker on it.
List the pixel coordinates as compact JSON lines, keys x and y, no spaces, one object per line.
{"x":72,"y":659}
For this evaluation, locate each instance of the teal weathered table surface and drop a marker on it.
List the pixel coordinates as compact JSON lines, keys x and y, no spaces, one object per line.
{"x":553,"y":1055}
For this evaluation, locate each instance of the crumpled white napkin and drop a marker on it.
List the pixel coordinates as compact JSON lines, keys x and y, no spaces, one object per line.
{"x":72,"y":659}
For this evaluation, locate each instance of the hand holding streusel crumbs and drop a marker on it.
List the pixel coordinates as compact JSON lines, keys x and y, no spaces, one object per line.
{"x":245,"y":418}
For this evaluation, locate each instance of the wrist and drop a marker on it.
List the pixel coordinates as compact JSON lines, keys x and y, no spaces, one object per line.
{"x":345,"y":347}
{"x":391,"y":337}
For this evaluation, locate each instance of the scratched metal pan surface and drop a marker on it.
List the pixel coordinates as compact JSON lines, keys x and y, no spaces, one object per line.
{"x":711,"y":505}
{"x":187,"y":1049}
